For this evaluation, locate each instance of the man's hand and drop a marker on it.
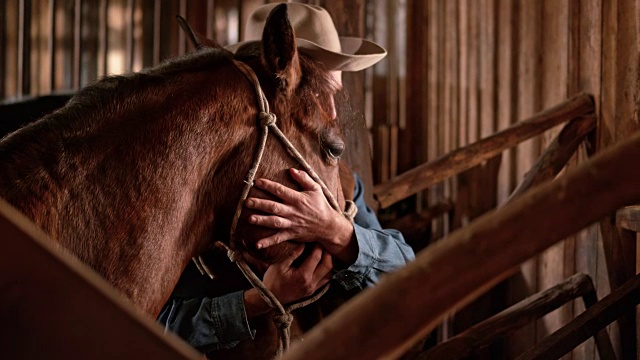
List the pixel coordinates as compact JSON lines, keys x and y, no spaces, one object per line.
{"x":304,"y":216}
{"x":289,"y":283}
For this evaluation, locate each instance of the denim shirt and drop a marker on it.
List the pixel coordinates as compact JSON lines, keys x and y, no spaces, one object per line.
{"x":211,"y":323}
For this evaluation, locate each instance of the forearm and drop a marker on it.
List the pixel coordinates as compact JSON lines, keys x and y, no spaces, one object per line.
{"x":254,"y":304}
{"x":341,"y":242}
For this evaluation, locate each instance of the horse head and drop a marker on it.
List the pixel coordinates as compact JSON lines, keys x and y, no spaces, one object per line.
{"x":139,"y":173}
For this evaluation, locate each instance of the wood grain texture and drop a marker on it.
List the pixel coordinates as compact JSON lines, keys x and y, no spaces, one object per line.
{"x":424,"y":176}
{"x":475,"y":257}
{"x":614,"y":305}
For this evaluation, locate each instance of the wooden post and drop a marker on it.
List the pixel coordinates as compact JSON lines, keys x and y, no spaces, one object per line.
{"x":451,"y":273}
{"x":466,"y":157}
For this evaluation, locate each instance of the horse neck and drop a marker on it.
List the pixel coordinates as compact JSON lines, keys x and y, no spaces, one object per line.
{"x":143,"y":202}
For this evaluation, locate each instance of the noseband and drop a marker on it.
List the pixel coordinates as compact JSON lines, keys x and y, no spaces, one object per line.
{"x":283,"y":317}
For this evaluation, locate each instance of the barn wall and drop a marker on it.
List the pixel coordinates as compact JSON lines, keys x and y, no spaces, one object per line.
{"x":485,"y":65}
{"x":457,"y":71}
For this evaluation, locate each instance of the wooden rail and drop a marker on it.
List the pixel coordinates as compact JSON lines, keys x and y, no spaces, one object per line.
{"x":451,"y":273}
{"x":614,"y":305}
{"x":557,"y":154}
{"x":426,"y":175}
{"x":515,"y":317}
{"x":55,"y":307}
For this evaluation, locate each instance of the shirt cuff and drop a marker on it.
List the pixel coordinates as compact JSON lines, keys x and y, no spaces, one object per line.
{"x":230,"y":318}
{"x":354,"y":275}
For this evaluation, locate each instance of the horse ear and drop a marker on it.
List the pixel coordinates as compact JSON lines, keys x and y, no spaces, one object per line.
{"x":280,"y":54}
{"x":198,"y":40}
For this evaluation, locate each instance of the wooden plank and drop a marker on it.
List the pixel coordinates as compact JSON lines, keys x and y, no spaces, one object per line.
{"x":117,"y":54}
{"x":585,"y":75}
{"x":24,"y":47}
{"x":89,"y":313}
{"x":507,"y":91}
{"x":537,"y":220}
{"x":557,"y":154}
{"x":11,"y":48}
{"x":3,"y":46}
{"x":629,"y":218}
{"x":77,"y":44}
{"x":416,"y":96}
{"x":425,"y":175}
{"x":525,"y":283}
{"x":530,"y":309}
{"x":614,"y":305}
{"x":618,"y":119}
{"x":556,"y":263}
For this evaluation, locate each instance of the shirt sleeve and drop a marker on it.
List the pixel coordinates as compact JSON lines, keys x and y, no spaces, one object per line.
{"x":379,"y":250}
{"x":208,"y":323}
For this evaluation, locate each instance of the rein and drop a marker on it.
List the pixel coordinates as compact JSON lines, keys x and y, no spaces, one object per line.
{"x":283,"y":317}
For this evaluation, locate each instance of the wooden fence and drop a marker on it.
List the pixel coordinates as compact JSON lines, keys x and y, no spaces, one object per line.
{"x":458,"y":71}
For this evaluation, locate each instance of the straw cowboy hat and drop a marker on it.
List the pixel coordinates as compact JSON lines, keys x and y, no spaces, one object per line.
{"x":316,"y":36}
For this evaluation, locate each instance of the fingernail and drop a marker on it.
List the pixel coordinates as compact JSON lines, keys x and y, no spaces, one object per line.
{"x":253,"y":219}
{"x":250,"y":202}
{"x":258,"y":246}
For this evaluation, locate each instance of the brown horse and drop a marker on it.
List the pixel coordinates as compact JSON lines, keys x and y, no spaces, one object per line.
{"x":139,"y":173}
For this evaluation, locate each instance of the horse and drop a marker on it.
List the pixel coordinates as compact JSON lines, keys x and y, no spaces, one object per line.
{"x":139,"y":173}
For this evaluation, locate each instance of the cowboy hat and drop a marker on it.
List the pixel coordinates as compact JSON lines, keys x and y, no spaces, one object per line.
{"x":316,"y":36}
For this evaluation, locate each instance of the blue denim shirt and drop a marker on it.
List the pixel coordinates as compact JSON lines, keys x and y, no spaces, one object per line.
{"x":211,"y":323}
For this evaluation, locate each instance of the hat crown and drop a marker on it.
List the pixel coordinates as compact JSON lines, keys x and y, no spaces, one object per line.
{"x":310,"y":22}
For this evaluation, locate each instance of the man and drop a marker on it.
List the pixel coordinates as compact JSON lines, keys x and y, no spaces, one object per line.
{"x":352,"y":255}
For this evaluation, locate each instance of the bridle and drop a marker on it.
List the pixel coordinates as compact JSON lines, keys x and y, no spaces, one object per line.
{"x":283,"y":317}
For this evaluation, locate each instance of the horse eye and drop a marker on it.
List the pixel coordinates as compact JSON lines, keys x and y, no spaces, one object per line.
{"x":332,"y":144}
{"x":334,"y":150}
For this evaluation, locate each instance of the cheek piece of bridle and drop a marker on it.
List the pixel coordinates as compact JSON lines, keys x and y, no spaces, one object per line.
{"x":283,"y":317}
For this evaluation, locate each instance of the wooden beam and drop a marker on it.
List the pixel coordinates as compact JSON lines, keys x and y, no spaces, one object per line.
{"x":451,"y":273}
{"x":426,"y":175}
{"x":546,"y":168}
{"x":58,"y":308}
{"x":557,"y":153}
{"x":614,"y":305}
{"x":629,"y":218}
{"x":517,"y":316}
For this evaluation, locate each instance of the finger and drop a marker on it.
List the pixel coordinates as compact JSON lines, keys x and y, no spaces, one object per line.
{"x":287,"y":194}
{"x":268,"y":206}
{"x":294,"y":255}
{"x":311,"y":263}
{"x":275,"y":239}
{"x":307,"y":183}
{"x":270,"y":221}
{"x":324,"y":266}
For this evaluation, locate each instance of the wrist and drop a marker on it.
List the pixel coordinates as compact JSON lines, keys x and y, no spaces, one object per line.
{"x":341,"y":241}
{"x":254,"y":304}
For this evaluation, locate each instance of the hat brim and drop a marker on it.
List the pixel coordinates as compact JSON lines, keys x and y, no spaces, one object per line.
{"x":357,"y":54}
